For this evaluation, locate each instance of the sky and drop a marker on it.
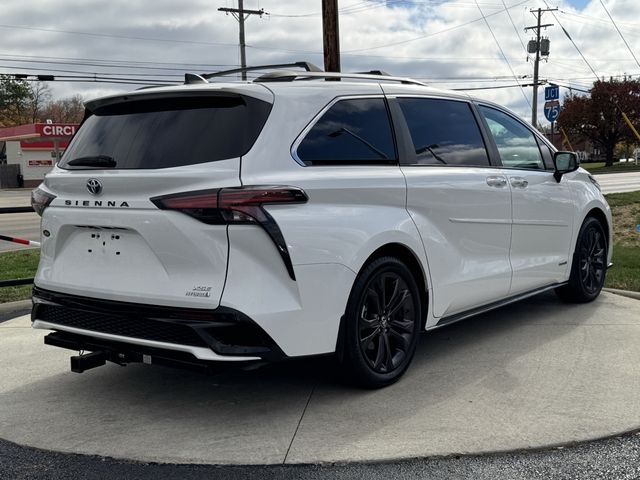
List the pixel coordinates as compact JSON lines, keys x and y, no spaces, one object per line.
{"x":451,"y":44}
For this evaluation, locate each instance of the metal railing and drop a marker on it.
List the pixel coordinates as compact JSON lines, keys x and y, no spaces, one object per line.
{"x":18,"y":281}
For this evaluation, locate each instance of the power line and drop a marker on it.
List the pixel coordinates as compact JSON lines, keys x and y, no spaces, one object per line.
{"x":57,"y":73}
{"x":124,"y":63}
{"x":571,"y":40}
{"x":515,"y":29}
{"x":104,"y":63}
{"x":125,"y":37}
{"x":160,"y":82}
{"x":569,"y":86}
{"x":620,"y":33}
{"x":98,"y":79}
{"x":54,"y":69}
{"x":431,"y":79}
{"x":502,"y":52}
{"x":460,"y":25}
{"x":371,"y":5}
{"x":193,"y":42}
{"x":314,"y":14}
{"x":101,"y":78}
{"x":495,"y":87}
{"x":354,"y":8}
{"x":589,"y":20}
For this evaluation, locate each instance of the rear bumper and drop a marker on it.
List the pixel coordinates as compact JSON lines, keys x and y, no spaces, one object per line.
{"x":221,"y":334}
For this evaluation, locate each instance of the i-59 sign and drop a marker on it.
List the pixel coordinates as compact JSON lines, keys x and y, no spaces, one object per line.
{"x":552,"y":110}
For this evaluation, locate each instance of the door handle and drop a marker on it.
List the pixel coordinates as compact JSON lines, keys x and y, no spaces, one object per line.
{"x":496,"y":181}
{"x":519,"y":182}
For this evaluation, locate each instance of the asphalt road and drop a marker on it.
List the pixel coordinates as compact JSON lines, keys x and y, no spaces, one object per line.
{"x":619,"y":182}
{"x":615,"y":458}
{"x":21,"y":225}
{"x":15,"y":197}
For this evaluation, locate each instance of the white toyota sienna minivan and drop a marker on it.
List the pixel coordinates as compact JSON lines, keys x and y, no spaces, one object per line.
{"x":303,"y":213}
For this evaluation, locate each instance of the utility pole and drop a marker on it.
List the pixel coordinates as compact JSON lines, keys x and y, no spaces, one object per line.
{"x":331,"y":35}
{"x":240,"y":14}
{"x":538,"y":51}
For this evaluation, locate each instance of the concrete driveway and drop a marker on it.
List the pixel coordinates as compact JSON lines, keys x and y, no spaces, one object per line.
{"x":534,"y":374}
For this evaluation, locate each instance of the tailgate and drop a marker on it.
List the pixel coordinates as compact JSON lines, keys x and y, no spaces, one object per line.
{"x":120,"y":246}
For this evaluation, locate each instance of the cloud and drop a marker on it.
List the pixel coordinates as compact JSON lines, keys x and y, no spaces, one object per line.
{"x":446,"y":43}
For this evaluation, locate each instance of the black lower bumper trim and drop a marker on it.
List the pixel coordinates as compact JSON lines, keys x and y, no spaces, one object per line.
{"x":226,"y":331}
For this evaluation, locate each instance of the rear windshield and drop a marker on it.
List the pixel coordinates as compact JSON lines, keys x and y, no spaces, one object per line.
{"x":169,"y":132}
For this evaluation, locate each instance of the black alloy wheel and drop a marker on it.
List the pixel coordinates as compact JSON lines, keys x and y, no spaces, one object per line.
{"x":386,"y":322}
{"x":589,"y":265}
{"x":382,"y":324}
{"x":592,"y":259}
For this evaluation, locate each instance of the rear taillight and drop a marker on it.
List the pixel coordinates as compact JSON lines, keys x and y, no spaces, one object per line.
{"x":201,"y":205}
{"x":237,"y":205}
{"x":40,"y":200}
{"x":229,"y":205}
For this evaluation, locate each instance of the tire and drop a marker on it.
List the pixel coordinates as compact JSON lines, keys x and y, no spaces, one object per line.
{"x":382,"y":324}
{"x":589,"y":265}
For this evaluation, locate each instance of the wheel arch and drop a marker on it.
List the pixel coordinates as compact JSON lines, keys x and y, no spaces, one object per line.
{"x":407,"y":256}
{"x":599,"y":215}
{"x":604,"y":218}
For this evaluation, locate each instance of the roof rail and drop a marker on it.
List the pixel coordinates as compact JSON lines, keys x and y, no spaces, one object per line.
{"x":309,"y":67}
{"x":290,"y":76}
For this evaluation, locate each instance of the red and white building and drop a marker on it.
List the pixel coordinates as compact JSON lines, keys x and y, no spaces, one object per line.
{"x":34,"y":148}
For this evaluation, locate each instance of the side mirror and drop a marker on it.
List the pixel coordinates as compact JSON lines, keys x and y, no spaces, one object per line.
{"x":564,"y":162}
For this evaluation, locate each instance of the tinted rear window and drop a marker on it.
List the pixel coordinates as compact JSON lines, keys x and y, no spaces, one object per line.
{"x":351,"y":132}
{"x":444,"y":132}
{"x":170,"y":132}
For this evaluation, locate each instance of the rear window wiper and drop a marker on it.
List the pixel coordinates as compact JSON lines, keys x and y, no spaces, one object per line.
{"x":429,"y":148}
{"x":375,"y":150}
{"x":104,"y":161}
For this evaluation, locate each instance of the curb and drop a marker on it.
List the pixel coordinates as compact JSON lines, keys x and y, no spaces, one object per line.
{"x":15,"y":306}
{"x":624,"y":293}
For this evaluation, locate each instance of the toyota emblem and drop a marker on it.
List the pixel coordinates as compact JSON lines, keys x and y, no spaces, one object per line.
{"x":94,"y":186}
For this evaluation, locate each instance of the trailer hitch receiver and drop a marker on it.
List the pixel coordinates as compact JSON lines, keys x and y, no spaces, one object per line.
{"x":80,"y":363}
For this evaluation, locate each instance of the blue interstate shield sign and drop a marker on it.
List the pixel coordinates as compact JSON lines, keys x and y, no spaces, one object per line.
{"x":552,"y":110}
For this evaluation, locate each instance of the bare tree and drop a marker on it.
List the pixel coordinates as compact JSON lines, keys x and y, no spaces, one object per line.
{"x":65,"y":110}
{"x":40,"y":97}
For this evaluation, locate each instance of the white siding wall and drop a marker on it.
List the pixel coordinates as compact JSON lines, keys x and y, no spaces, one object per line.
{"x":15,"y":154}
